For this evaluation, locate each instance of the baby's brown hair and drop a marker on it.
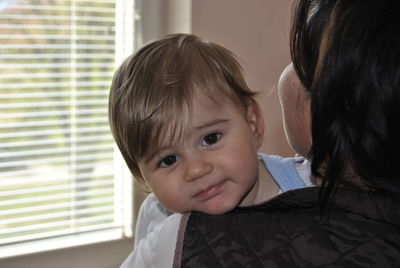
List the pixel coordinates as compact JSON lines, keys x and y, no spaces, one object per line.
{"x":151,"y":93}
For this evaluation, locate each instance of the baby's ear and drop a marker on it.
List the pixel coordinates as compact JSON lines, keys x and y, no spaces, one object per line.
{"x":256,"y":123}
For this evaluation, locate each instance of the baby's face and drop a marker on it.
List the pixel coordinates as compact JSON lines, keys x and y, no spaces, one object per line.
{"x":214,"y":165}
{"x":295,"y":110}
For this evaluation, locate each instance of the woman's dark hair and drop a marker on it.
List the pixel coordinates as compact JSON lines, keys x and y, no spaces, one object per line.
{"x":354,"y":81}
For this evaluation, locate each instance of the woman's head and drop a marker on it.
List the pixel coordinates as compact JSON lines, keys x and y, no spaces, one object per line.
{"x":346,"y":54}
{"x":152,"y":91}
{"x":295,"y":103}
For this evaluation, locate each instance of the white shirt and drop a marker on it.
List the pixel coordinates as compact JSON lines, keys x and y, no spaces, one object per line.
{"x":155,"y":236}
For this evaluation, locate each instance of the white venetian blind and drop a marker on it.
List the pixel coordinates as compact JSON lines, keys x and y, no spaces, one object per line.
{"x":60,"y":176}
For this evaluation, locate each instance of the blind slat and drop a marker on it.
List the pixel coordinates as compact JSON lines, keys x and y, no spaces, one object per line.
{"x":54,"y":94}
{"x":44,"y":233}
{"x":97,"y":112}
{"x":88,"y":28}
{"x":55,"y":85}
{"x":54,"y":37}
{"x":64,"y":65}
{"x":40,"y":133}
{"x":49,"y":104}
{"x":53,"y":198}
{"x":82,"y":56}
{"x":23,"y":144}
{"x":55,"y":160}
{"x":76,"y":221}
{"x":57,"y":75}
{"x":58,"y":122}
{"x":31,"y":176}
{"x":65,"y":9}
{"x":44,"y":152}
{"x":52,"y":188}
{"x":57,"y":46}
{"x":62,"y":18}
{"x":37,"y":178}
{"x":35,"y":209}
{"x":54,"y":215}
{"x":28,"y":178}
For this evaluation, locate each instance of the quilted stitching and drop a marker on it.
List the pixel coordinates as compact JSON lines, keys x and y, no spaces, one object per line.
{"x":289,"y":232}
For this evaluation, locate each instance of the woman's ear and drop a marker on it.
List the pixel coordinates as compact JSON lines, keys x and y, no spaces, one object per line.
{"x":256,"y":123}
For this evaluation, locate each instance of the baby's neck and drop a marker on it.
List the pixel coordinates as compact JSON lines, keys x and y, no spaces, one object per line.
{"x":263,"y":190}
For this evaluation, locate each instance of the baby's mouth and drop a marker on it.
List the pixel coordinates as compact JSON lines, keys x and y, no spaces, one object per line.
{"x":210,"y":191}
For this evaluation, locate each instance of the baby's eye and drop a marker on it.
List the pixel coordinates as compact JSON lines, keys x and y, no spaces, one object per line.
{"x":168,"y":160}
{"x":210,"y":139}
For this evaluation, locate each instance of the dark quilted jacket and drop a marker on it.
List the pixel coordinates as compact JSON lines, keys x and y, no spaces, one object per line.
{"x":360,"y":230}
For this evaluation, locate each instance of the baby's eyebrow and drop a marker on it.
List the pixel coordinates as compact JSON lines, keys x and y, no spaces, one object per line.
{"x":212,"y":123}
{"x":151,"y":155}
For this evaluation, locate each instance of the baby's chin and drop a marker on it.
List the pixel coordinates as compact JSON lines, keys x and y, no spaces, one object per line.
{"x":214,"y":206}
{"x":217,"y":210}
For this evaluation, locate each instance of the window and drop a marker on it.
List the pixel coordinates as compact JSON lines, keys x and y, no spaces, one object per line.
{"x":62,"y":180}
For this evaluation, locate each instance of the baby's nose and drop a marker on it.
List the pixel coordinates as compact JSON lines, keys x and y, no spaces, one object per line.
{"x":197,"y":168}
